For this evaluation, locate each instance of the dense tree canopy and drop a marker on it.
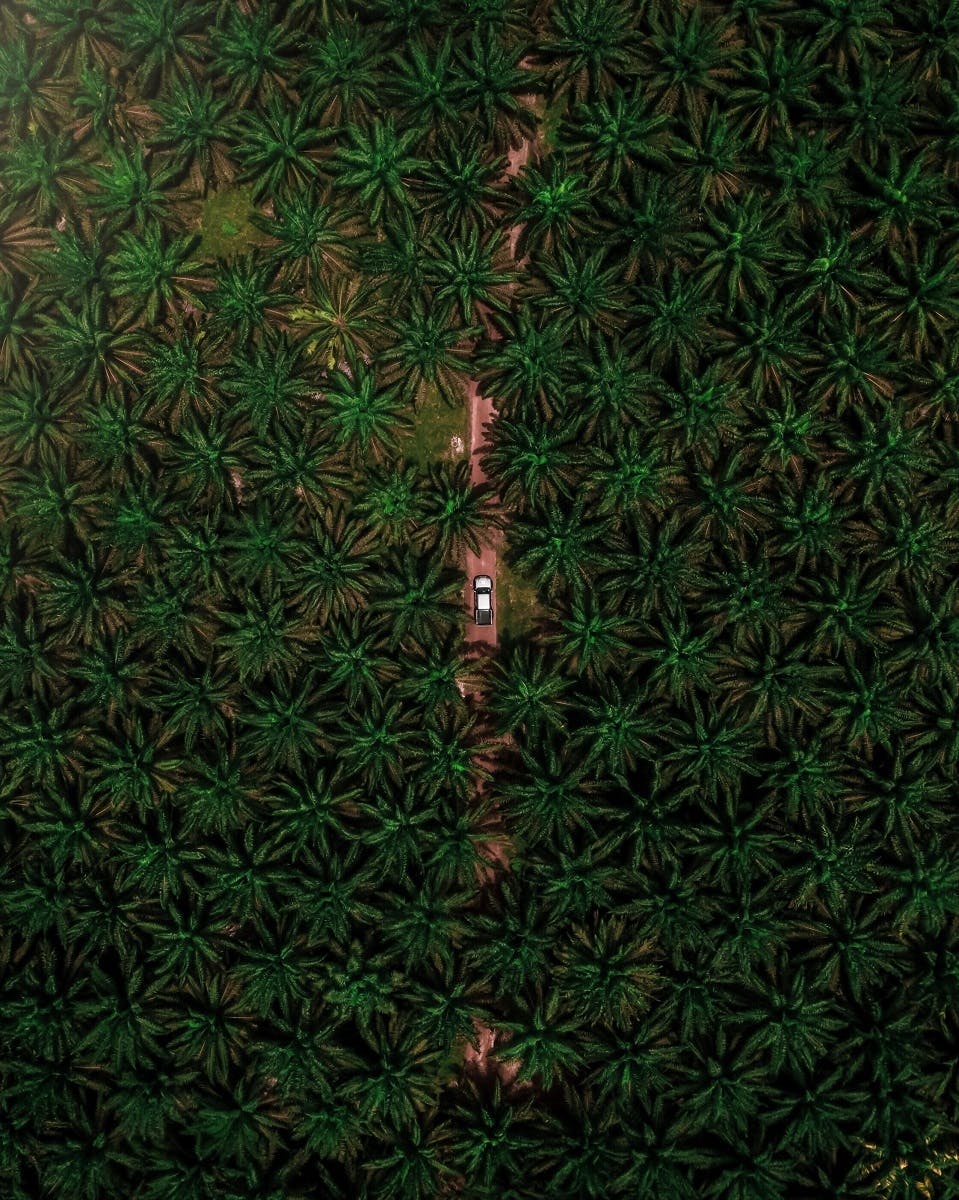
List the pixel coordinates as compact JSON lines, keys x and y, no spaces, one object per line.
{"x":301,"y":898}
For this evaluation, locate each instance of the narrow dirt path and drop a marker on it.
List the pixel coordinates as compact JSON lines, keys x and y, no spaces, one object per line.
{"x":482,"y":412}
{"x":481,"y":1060}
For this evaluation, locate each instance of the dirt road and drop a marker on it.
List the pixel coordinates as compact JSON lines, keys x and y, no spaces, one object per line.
{"x":482,"y":413}
{"x":484,"y":563}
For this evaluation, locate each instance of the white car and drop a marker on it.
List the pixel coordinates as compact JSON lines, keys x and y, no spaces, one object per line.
{"x":483,"y":600}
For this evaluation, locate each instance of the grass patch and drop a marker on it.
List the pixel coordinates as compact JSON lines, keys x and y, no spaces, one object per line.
{"x":226,"y":228}
{"x":435,"y":426}
{"x":518,"y":607}
{"x":550,"y":118}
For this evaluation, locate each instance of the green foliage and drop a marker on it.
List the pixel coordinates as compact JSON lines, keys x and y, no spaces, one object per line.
{"x":302,"y":891}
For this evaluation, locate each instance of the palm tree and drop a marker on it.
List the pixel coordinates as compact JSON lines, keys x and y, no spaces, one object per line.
{"x":921,"y":299}
{"x":778,"y":86}
{"x":205,"y":462}
{"x":75,"y":33}
{"x":705,"y":411}
{"x":715,"y":152}
{"x":117,"y":434}
{"x":216,"y":796}
{"x":708,"y":746}
{"x":18,"y":312}
{"x":392,"y":501}
{"x":73,"y":265}
{"x":562,"y":548}
{"x":615,"y":135}
{"x":364,"y":415}
{"x":848,"y":43}
{"x":267,"y":382}
{"x":198,"y":707}
{"x":341,"y":319}
{"x":838,"y":274}
{"x":29,"y":661}
{"x":655,"y":566}
{"x":455,"y":513}
{"x":277,"y":148}
{"x":580,"y":292}
{"x":460,"y":186}
{"x":298,"y":460}
{"x":155,"y":271}
{"x":688,"y":60}
{"x":99,"y":110}
{"x":178,"y":379}
{"x":591,"y":639}
{"x":87,"y":1160}
{"x":524,"y":371}
{"x":549,"y":799}
{"x":376,"y":164}
{"x":162,"y":40}
{"x":426,"y":354}
{"x":533,"y":462}
{"x":489,"y":80}
{"x":742,"y":247}
{"x":126,"y":191}
{"x":312,"y":236}
{"x":611,"y":974}
{"x":553,"y":205}
{"x":435,"y":676}
{"x":809,"y":173}
{"x":721,"y":1085}
{"x":89,"y":349}
{"x":772,"y":680}
{"x":42,"y":172}
{"x":396,"y":260}
{"x":545,"y":1041}
{"x":905,"y":196}
{"x":341,"y":71}
{"x":424,"y":84}
{"x":473,"y":272}
{"x":391,"y":1072}
{"x":283,"y":728}
{"x":243,"y":299}
{"x":29,"y":97}
{"x":415,"y":1163}
{"x":353,"y":658}
{"x":266,"y":547}
{"x":617,"y":726}
{"x":588,"y":47}
{"x":22,"y":242}
{"x":250,"y":53}
{"x":194,"y":133}
{"x":333,"y":576}
{"x":262,"y":638}
{"x":527,"y":695}
{"x":678,"y":312}
{"x":770,"y":342}
{"x":417,"y":599}
{"x":649,"y":220}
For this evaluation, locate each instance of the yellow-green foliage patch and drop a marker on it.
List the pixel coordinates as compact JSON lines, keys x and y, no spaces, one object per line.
{"x":518,"y":608}
{"x":226,"y":226}
{"x":440,"y":431}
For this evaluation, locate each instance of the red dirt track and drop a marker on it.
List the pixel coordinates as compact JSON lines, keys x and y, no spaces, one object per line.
{"x":482,"y":413}
{"x":484,"y":563}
